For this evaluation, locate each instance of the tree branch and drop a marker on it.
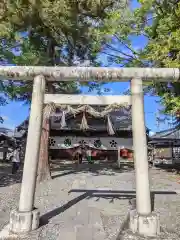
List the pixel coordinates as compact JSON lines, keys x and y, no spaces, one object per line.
{"x":119,"y":51}
{"x":133,"y":51}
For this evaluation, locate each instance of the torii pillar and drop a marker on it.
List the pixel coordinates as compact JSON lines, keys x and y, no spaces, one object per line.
{"x":26,"y":217}
{"x":142,"y":220}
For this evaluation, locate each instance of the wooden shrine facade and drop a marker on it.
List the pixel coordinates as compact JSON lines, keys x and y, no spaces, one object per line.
{"x":96,"y":136}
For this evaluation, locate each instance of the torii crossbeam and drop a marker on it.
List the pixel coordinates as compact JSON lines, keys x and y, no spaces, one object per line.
{"x":86,"y":74}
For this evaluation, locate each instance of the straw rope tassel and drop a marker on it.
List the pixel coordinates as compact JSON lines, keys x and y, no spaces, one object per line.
{"x":110,"y":126}
{"x":84,"y":124}
{"x":63,"y":120}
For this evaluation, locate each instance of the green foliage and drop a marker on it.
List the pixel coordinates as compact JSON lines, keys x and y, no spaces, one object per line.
{"x":112,"y":37}
{"x":163,"y":49}
{"x":51,"y":33}
{"x":3,"y":100}
{"x":158,"y":22}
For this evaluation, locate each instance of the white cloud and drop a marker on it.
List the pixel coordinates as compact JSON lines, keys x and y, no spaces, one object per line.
{"x":151,"y":133}
{"x":5,"y":117}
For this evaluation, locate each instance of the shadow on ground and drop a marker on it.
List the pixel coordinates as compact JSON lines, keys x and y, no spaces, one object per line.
{"x":85,"y":196}
{"x":63,"y":168}
{"x":98,"y":168}
{"x":6,"y":177}
{"x":110,"y":195}
{"x":173,"y":168}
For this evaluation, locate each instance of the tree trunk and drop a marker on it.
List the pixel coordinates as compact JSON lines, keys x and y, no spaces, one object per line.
{"x":44,"y":167}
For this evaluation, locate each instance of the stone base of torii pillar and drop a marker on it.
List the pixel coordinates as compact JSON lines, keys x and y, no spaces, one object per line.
{"x":148,"y":226}
{"x":22,"y":222}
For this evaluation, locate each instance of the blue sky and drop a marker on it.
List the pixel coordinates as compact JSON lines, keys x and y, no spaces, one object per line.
{"x":16,"y":112}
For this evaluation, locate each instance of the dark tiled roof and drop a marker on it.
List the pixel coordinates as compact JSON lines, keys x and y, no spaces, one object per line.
{"x":5,"y":130}
{"x":121,"y":120}
{"x":6,"y":134}
{"x":173,"y":133}
{"x":23,"y":125}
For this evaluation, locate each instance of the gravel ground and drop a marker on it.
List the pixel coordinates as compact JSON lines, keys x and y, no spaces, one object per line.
{"x":92,"y":215}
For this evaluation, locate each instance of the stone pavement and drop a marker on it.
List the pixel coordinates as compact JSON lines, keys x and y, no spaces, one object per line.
{"x":93,"y":215}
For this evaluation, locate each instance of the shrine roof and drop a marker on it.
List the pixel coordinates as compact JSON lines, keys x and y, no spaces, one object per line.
{"x":172,"y":133}
{"x":120,"y":119}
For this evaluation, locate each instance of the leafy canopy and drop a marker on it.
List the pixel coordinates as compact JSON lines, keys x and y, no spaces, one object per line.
{"x":160,"y":21}
{"x":156,"y":22}
{"x":51,"y":33}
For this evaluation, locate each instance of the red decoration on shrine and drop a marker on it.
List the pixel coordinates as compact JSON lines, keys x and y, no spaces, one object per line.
{"x":94,"y":153}
{"x":130,"y":155}
{"x":124,"y":153}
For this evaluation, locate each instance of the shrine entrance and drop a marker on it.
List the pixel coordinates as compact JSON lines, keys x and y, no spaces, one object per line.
{"x":99,"y":129}
{"x":142,"y":220}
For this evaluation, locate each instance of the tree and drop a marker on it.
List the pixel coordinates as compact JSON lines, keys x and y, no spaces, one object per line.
{"x":50,"y":33}
{"x":158,"y":23}
{"x":2,"y":103}
{"x":3,"y":100}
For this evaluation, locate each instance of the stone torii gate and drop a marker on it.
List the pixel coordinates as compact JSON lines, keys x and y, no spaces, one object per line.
{"x":142,"y":220}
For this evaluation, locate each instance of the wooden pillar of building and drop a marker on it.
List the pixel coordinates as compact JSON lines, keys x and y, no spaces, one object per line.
{"x":43,"y":166}
{"x":142,"y":221}
{"x":26,"y":218}
{"x":119,"y":157}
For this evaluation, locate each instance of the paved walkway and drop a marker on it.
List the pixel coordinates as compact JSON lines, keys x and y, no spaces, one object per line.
{"x":91,"y":215}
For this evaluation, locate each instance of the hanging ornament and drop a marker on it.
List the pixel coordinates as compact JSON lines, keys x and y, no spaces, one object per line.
{"x":63,"y":120}
{"x":84,"y":124}
{"x":110,"y":126}
{"x":124,"y":153}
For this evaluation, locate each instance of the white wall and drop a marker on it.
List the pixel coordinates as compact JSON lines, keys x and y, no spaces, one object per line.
{"x":108,"y":143}
{"x":1,"y":155}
